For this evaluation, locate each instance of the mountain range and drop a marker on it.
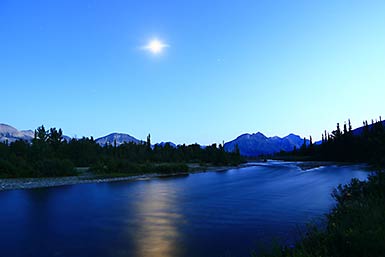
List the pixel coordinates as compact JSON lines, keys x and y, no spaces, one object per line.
{"x":258,"y":144}
{"x":249,"y":144}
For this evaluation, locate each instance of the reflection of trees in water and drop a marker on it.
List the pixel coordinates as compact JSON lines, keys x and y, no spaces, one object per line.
{"x":157,"y":235}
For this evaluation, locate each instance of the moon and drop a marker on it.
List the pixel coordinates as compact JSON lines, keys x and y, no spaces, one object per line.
{"x":155,"y":46}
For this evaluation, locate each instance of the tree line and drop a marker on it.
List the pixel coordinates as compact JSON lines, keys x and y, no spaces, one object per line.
{"x":366,"y":144}
{"x":49,"y":155}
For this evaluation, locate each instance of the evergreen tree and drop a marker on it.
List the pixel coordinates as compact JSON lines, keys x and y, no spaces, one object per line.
{"x":350,"y":126}
{"x":303,"y":147}
{"x":55,"y":137}
{"x":148,"y":143}
{"x":41,"y":135}
{"x":345,"y":129}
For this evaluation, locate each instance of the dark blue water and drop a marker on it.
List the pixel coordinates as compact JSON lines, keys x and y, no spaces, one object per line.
{"x":211,"y":214}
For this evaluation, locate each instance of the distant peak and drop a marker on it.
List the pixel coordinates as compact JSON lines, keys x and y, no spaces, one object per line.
{"x":118,"y":138}
{"x":259,"y":134}
{"x":247,"y":135}
{"x":291,"y":135}
{"x":6,"y":125}
{"x":116,"y":133}
{"x":5,"y":128}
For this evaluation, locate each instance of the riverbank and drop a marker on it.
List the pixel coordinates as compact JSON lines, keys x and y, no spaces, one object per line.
{"x":29,"y":183}
{"x":85,"y":177}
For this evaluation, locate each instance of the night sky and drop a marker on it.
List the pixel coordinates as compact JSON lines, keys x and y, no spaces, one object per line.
{"x":216,"y":69}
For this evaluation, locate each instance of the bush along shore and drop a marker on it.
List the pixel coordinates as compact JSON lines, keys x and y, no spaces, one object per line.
{"x":355,"y":227}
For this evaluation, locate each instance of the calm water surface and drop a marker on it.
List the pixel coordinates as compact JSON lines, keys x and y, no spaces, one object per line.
{"x":211,"y":214}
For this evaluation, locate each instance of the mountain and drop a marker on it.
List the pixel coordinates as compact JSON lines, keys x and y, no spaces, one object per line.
{"x":66,"y":138}
{"x":120,"y":138}
{"x":10,"y":134}
{"x":162,"y":144}
{"x":257,"y":144}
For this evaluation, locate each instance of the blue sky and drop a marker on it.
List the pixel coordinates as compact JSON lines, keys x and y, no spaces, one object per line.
{"x":231,"y":67}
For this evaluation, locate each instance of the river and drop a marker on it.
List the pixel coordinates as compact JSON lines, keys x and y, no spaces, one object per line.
{"x":228,"y":213}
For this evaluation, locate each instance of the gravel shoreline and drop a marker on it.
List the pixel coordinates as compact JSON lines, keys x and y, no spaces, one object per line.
{"x":29,"y":183}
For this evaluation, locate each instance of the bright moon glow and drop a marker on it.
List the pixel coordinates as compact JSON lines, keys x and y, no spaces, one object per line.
{"x":155,"y":46}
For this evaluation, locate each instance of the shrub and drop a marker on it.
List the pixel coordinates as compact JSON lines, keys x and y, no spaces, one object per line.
{"x":54,"y":168}
{"x":7,"y":169}
{"x":355,"y":227}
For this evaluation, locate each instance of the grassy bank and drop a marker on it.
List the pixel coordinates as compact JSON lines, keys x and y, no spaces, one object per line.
{"x":355,"y":227}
